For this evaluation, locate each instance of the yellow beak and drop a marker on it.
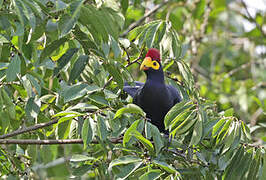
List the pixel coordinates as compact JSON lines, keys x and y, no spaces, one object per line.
{"x":146,"y":64}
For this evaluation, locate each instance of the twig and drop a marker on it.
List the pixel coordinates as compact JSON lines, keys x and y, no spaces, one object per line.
{"x":252,"y":19}
{"x":53,"y":141}
{"x":28,"y":129}
{"x":148,"y":14}
{"x":128,"y":64}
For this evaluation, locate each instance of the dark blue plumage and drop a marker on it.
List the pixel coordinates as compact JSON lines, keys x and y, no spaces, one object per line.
{"x":154,"y":97}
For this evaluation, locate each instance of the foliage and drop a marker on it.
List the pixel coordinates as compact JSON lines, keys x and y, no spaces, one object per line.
{"x":66,"y":62}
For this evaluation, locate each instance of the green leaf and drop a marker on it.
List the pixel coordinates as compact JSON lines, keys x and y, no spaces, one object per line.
{"x":168,"y":168}
{"x":64,"y":60}
{"x":80,"y":158}
{"x":130,"y":108}
{"x":218,"y":126}
{"x":124,"y":4}
{"x":124,"y":160}
{"x":200,"y":8}
{"x":13,"y":69}
{"x":20,"y":11}
{"x":102,"y":129}
{"x":69,"y":23}
{"x":133,"y":127}
{"x":32,"y":108}
{"x":263,"y":168}
{"x":150,"y":36}
{"x":86,"y":133}
{"x":156,"y":136}
{"x":127,"y":170}
{"x":34,"y":83}
{"x":78,"y":67}
{"x":198,"y":130}
{"x":235,"y":160}
{"x":78,"y":90}
{"x":11,"y":108}
{"x":186,"y":123}
{"x":176,"y":110}
{"x":50,"y":48}
{"x":151,"y":174}
{"x":143,"y":140}
{"x":83,"y":107}
{"x":65,"y":113}
{"x":116,"y":74}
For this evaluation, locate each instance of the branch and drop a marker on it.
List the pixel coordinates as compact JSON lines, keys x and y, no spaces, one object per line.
{"x":53,"y":141}
{"x":148,"y":14}
{"x":28,"y":129}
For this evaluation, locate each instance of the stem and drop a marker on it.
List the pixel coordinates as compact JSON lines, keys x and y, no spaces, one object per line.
{"x":53,"y":141}
{"x":148,"y":14}
{"x":28,"y":129}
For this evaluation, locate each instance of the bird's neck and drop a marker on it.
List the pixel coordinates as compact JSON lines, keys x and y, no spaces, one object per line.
{"x":155,"y":77}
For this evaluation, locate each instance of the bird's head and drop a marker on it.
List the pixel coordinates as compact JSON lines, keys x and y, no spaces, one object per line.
{"x":151,"y":61}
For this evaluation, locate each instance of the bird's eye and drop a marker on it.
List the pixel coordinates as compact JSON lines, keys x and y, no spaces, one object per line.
{"x":155,"y":65}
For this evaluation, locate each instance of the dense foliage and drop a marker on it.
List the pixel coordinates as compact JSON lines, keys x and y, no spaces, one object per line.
{"x":63,"y":64}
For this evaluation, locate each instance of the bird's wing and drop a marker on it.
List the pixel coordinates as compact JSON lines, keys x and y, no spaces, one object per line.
{"x":132,"y":89}
{"x":174,"y":93}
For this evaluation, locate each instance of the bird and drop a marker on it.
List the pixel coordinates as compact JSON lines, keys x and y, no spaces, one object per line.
{"x":154,"y":96}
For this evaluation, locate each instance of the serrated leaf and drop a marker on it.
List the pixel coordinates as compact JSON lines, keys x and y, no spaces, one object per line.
{"x":78,"y":67}
{"x":130,"y":108}
{"x":13,"y":69}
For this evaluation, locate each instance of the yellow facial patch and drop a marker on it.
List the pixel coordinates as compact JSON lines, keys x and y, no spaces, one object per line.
{"x":149,"y":63}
